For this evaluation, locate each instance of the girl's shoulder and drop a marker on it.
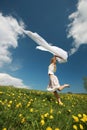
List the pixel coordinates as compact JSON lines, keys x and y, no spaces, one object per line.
{"x":51,"y":65}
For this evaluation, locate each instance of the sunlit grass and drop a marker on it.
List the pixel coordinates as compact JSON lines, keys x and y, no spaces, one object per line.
{"x":22,"y":109}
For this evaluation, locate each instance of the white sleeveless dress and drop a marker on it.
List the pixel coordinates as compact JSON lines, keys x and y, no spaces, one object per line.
{"x":54,"y":82}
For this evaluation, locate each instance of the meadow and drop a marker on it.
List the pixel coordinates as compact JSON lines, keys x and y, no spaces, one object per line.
{"x":24,"y":109}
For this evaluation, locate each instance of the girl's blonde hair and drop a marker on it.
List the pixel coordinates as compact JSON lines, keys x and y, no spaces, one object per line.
{"x":53,"y":59}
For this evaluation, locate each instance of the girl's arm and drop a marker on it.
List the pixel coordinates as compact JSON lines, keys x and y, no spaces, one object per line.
{"x":59,"y":57}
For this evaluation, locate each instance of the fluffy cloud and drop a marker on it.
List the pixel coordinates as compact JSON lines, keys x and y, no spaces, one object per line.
{"x":78,"y":26}
{"x":10,"y":29}
{"x":6,"y":80}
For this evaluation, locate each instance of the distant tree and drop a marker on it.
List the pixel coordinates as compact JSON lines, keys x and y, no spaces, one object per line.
{"x":85,"y":83}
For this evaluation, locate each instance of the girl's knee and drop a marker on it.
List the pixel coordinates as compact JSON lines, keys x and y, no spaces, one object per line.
{"x":55,"y":92}
{"x":59,"y":89}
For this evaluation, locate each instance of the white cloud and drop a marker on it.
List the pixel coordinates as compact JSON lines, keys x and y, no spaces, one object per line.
{"x":10,"y":29}
{"x":6,"y":80}
{"x":78,"y":26}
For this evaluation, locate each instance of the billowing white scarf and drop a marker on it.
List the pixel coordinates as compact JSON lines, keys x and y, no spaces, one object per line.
{"x":45,"y":46}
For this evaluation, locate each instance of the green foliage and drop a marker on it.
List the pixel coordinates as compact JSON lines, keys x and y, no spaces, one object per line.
{"x":85,"y":83}
{"x":23,"y":109}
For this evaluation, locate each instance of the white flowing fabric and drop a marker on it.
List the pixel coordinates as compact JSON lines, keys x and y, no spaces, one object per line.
{"x":45,"y":46}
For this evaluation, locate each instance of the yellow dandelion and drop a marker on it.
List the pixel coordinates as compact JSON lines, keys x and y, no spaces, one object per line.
{"x":57,"y":129}
{"x":23,"y":120}
{"x":42,"y":116}
{"x":42,"y":122}
{"x":84,"y":115}
{"x":5,"y":100}
{"x":79,"y":115}
{"x":1,"y":92}
{"x":59,"y":112}
{"x":18,"y":105}
{"x":84,"y":118}
{"x":69,"y":110}
{"x":48,"y":128}
{"x":31,"y":100}
{"x":31,"y":110}
{"x":51,"y":110}
{"x":81,"y":126}
{"x":72,"y":105}
{"x":75,"y":127}
{"x":46,"y":114}
{"x":20,"y":115}
{"x":44,"y":100}
{"x":35,"y":99}
{"x":3,"y":103}
{"x":45,"y":104}
{"x":9,"y":105}
{"x":4,"y":129}
{"x":56,"y":102}
{"x":13,"y":94}
{"x":10,"y":102}
{"x":76,"y":119}
{"x":51,"y":117}
{"x":28,"y":105}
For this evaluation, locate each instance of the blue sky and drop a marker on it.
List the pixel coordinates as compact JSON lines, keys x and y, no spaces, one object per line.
{"x":59,"y":22}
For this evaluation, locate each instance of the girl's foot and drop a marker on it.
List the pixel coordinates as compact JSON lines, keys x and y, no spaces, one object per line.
{"x":60,"y":103}
{"x":66,"y":85}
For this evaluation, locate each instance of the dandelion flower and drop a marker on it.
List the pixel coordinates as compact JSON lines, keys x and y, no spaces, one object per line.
{"x":23,"y":120}
{"x":51,"y":117}
{"x":51,"y":110}
{"x":42,"y":122}
{"x":84,"y":115}
{"x":46,"y":114}
{"x":56,"y":102}
{"x":59,"y":112}
{"x":4,"y":129}
{"x":57,"y":129}
{"x":9,"y":105}
{"x":84,"y":118}
{"x":20,"y":115}
{"x":42,"y":116}
{"x":31,"y":110}
{"x":79,"y":115}
{"x":10,"y":102}
{"x":48,"y":128}
{"x":18,"y":105}
{"x":44,"y":100}
{"x":81,"y":127}
{"x":69,"y":110}
{"x":1,"y":92}
{"x":75,"y":127}
{"x":76,"y":119}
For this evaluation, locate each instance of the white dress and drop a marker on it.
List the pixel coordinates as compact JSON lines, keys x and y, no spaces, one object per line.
{"x":54,"y":82}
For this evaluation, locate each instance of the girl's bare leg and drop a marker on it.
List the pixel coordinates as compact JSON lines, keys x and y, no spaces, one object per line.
{"x":63,"y":86}
{"x":58,"y":97}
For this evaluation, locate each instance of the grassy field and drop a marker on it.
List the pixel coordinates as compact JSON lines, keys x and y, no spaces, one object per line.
{"x":22,"y":109}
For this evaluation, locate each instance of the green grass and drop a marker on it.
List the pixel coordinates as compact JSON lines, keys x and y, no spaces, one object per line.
{"x":23,"y":109}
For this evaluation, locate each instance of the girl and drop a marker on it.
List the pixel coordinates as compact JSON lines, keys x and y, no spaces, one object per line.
{"x":54,"y":82}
